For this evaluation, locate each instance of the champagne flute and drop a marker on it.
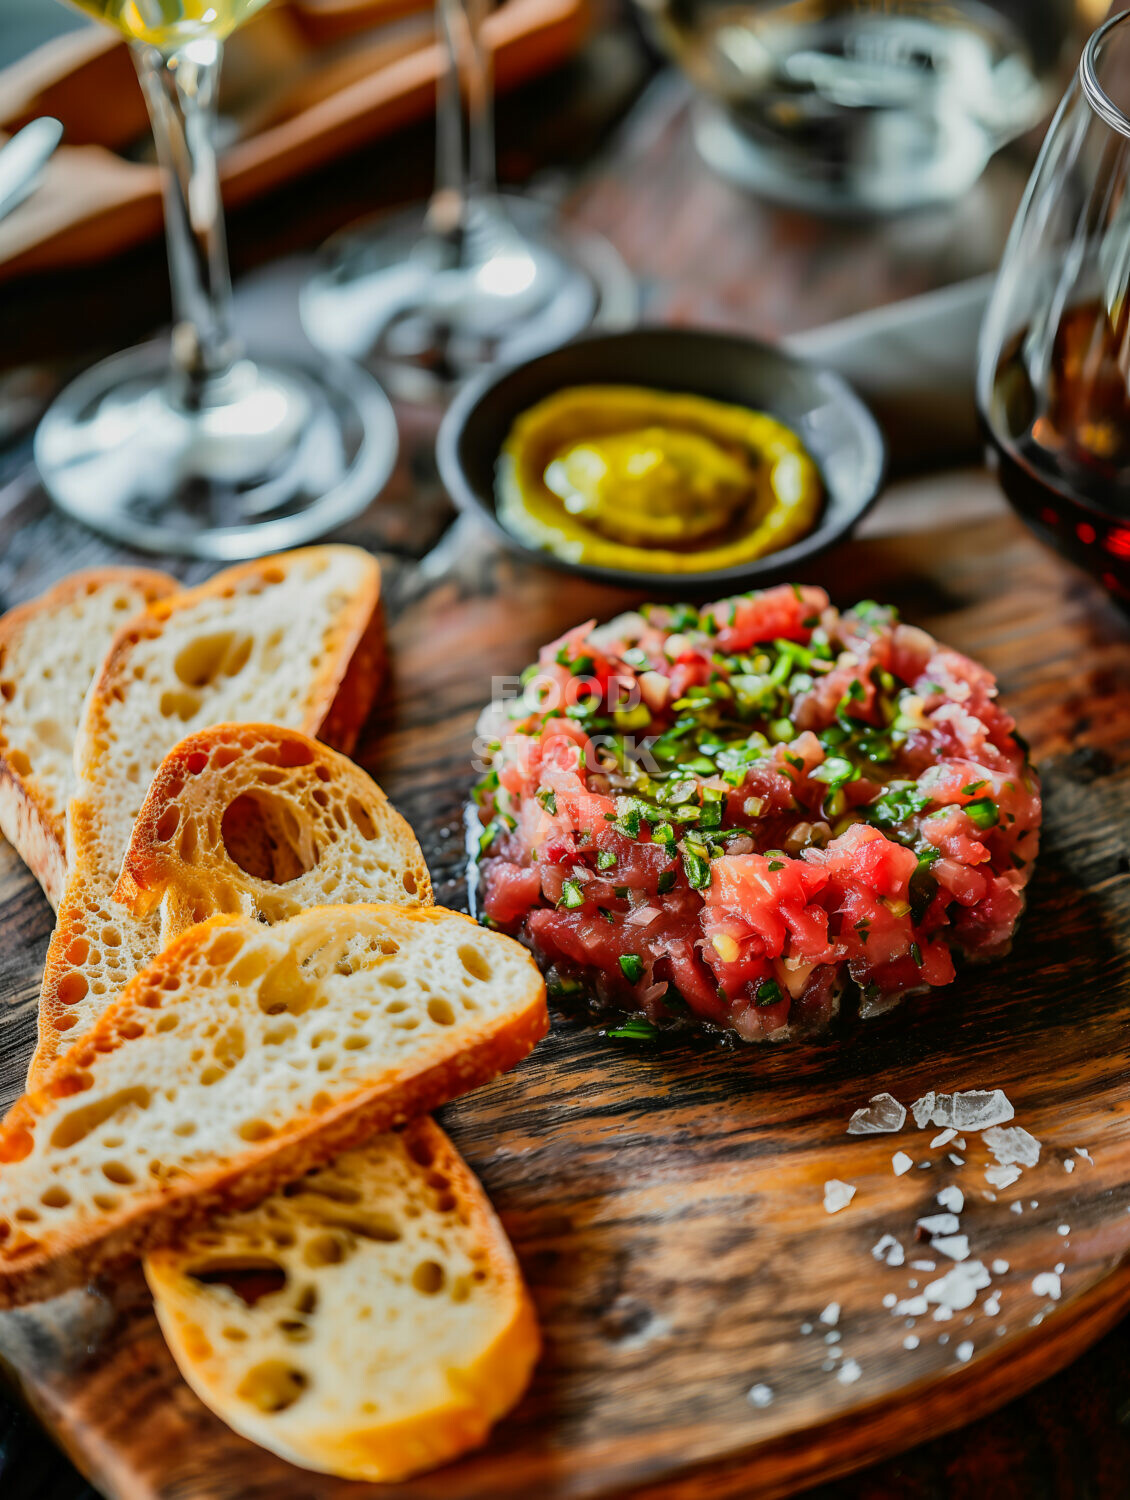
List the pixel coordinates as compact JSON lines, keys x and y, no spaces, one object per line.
{"x":429,"y":297}
{"x":189,"y":446}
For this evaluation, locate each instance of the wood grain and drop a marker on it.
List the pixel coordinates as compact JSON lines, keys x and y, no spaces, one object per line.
{"x":666,"y":1202}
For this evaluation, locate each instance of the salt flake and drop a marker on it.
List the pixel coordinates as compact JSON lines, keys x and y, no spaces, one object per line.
{"x":1002,"y":1177}
{"x":831,"y":1314}
{"x":1063,"y":1229}
{"x":837,"y":1195}
{"x":958,"y":1288}
{"x":922,"y":1109}
{"x":849,"y":1372}
{"x":889,"y":1300}
{"x":964,"y":1351}
{"x":911,"y":1307}
{"x":1069,"y":1164}
{"x":889,"y":1251}
{"x":883,"y":1114}
{"x":940,"y":1224}
{"x":911,"y":1341}
{"x":1046,"y":1284}
{"x":956,"y":1246}
{"x":923,"y":1265}
{"x":1085,"y":1154}
{"x":1000,"y":1268}
{"x":760,"y":1395}
{"x":992,"y":1305}
{"x":901,"y":1163}
{"x":952,"y":1198}
{"x":976,"y":1109}
{"x":943,"y":1139}
{"x":1013,"y":1145}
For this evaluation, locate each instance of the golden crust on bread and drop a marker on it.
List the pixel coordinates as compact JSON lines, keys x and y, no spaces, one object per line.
{"x":289,"y":639}
{"x":369,"y":1321}
{"x":50,"y":650}
{"x":266,"y":821}
{"x":242,"y":1057}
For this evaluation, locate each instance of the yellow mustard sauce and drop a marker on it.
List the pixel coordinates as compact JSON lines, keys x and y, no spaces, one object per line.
{"x":626,"y":477}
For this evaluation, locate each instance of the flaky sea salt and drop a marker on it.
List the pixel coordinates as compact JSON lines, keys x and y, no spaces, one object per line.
{"x":837,"y":1195}
{"x":1063,"y":1229}
{"x":831,"y":1314}
{"x":883,"y":1114}
{"x":976,"y":1109}
{"x":911,"y":1307}
{"x":923,"y":1265}
{"x":958,"y":1161}
{"x":943,"y":1139}
{"x":958,"y":1288}
{"x":833,"y":1338}
{"x":1069,"y":1164}
{"x":1016,"y":1208}
{"x":1013,"y":1145}
{"x":849,"y":1372}
{"x":1059,"y":1268}
{"x":940,"y":1224}
{"x":956,"y":1246}
{"x":1002,"y":1177}
{"x":922,"y":1109}
{"x":964,"y":1351}
{"x":992,"y":1305}
{"x":952,"y":1198}
{"x":911,"y":1341}
{"x":1085,"y":1154}
{"x":1046,"y":1284}
{"x":889,"y":1251}
{"x":889,"y":1300}
{"x":1000,"y":1268}
{"x":760,"y":1395}
{"x":901,"y":1163}
{"x":806,"y":1328}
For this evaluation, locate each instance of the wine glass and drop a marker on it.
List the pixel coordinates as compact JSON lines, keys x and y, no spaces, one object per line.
{"x":429,"y":296}
{"x":187,"y":445}
{"x":1053,"y":376}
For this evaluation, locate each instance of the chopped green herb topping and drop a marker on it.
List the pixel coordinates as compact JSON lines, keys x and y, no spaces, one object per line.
{"x":548,"y":799}
{"x":631,"y":966}
{"x":983,"y":812}
{"x":768,"y":993}
{"x":572,"y":895}
{"x":605,"y":859}
{"x":636,"y":1030}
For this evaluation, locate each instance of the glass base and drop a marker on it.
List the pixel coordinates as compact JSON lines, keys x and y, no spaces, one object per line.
{"x":277,"y":454}
{"x":878,"y":181}
{"x":426,"y":310}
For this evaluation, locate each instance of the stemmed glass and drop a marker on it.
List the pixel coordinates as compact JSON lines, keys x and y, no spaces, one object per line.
{"x":1053,"y":378}
{"x":429,"y":296}
{"x":189,"y":446}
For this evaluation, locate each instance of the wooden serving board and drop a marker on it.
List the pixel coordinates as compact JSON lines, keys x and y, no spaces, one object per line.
{"x":666,"y":1202}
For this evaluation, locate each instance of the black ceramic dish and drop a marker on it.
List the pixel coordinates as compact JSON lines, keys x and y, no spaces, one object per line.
{"x":834,"y":424}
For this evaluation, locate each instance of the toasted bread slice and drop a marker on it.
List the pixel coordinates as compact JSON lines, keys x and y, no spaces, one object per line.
{"x":293,"y":639}
{"x":387,"y":1260}
{"x":264,"y":821}
{"x":368,"y":1321}
{"x":50,"y":649}
{"x":241,"y":1058}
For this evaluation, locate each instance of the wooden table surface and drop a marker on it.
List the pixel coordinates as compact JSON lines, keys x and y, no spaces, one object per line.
{"x":624,"y":165}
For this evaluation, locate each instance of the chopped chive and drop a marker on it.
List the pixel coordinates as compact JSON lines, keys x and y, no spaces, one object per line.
{"x":605,"y":859}
{"x":548,"y":799}
{"x":637,"y":1030}
{"x":631,"y":966}
{"x":983,"y":812}
{"x":697,"y":870}
{"x":972,"y":788}
{"x":572,"y":895}
{"x":768,"y":993}
{"x":916,"y":954}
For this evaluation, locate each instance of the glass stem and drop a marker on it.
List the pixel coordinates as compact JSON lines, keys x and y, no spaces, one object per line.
{"x":180,"y":91}
{"x":465,"y":161}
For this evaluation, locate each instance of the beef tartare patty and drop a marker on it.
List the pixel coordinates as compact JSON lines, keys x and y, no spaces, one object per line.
{"x":744,"y":811}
